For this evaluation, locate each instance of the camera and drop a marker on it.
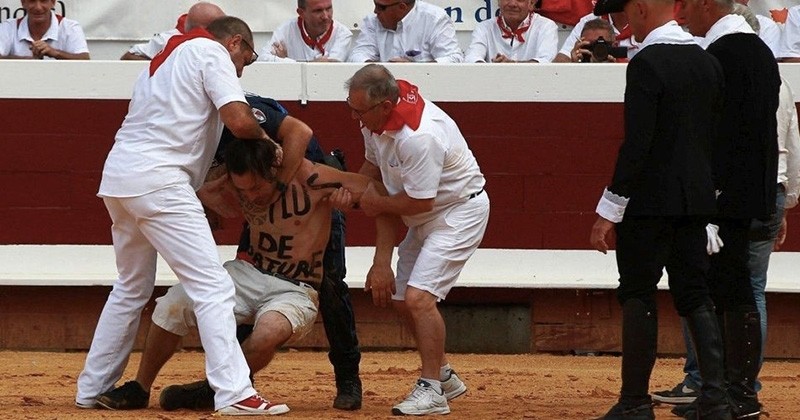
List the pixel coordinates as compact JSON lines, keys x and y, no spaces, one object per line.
{"x":600,"y":49}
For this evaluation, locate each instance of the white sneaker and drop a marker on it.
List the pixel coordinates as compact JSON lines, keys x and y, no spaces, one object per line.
{"x":89,"y":405}
{"x":453,"y":387}
{"x":253,"y":406}
{"x":422,"y":401}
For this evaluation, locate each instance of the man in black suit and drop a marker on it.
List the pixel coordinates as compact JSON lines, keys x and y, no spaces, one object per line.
{"x":745,"y":163}
{"x":660,"y":200}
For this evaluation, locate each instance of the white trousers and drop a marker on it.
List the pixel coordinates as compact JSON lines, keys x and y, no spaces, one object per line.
{"x":170,"y":222}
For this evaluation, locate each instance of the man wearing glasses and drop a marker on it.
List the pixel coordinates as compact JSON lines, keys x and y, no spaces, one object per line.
{"x":159,"y":160}
{"x":404,"y":31}
{"x":436,"y":187}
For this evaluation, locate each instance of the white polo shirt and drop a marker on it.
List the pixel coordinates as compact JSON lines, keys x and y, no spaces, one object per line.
{"x":433,"y":161}
{"x":337,"y":47}
{"x":155,"y":45}
{"x":541,"y":42}
{"x":66,"y":35}
{"x":790,"y":39}
{"x":425,"y":34}
{"x":173,"y":125}
{"x":572,"y":38}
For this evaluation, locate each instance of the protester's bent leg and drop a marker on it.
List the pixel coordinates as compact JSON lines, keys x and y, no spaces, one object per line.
{"x":119,"y":322}
{"x":269,"y":333}
{"x":159,"y":347}
{"x":182,"y":236}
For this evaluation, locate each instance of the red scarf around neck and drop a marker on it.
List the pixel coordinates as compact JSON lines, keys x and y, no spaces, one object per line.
{"x":408,"y":110}
{"x":624,"y":33}
{"x":515,"y":33}
{"x":312,"y":43}
{"x":173,"y":43}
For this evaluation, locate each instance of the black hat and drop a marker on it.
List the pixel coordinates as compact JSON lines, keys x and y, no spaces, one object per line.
{"x":604,"y":7}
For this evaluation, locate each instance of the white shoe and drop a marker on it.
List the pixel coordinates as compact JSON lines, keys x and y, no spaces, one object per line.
{"x":253,"y":406}
{"x":453,"y":387}
{"x":422,"y":401}
{"x":90,"y":405}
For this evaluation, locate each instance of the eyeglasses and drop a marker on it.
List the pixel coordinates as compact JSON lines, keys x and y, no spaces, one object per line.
{"x":382,"y":7}
{"x":361,"y":113}
{"x":254,"y":58}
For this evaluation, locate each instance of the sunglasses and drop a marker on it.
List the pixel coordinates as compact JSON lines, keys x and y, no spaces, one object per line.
{"x":254,"y":58}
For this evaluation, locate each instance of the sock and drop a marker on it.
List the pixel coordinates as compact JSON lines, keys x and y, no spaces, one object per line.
{"x":444,"y":372}
{"x":436,"y":385}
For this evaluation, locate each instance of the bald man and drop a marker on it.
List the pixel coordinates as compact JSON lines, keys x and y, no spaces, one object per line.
{"x":199,"y":16}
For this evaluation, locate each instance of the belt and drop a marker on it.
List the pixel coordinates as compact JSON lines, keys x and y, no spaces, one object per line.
{"x":284,"y":278}
{"x":473,"y":195}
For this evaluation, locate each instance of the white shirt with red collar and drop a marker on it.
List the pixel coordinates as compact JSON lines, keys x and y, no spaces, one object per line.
{"x":425,"y":34}
{"x":336,"y":46}
{"x":431,"y":160}
{"x":173,"y":125}
{"x":64,"y":34}
{"x":625,"y":40}
{"x":539,"y":41}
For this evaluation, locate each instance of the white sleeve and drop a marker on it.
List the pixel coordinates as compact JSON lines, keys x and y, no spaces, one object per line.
{"x":572,"y":38}
{"x":219,"y":77}
{"x":6,"y":38}
{"x":445,"y":48}
{"x":339,"y":46}
{"x":150,"y":48}
{"x":266,"y":51}
{"x":366,"y":48}
{"x":76,"y":40}
{"x":547,"y":41}
{"x":478,"y":49}
{"x":790,"y":39}
{"x":770,"y":33}
{"x":789,"y":133}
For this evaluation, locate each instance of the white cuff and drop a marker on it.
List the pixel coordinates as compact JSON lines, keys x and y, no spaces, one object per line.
{"x":611,"y":206}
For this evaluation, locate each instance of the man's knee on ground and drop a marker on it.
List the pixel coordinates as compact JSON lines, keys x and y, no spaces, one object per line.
{"x":271,"y":331}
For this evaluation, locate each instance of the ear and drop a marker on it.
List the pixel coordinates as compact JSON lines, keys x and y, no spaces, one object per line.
{"x":300,"y":12}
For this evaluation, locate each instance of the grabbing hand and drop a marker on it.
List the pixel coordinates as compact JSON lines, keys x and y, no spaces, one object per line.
{"x":341,"y":199}
{"x":212,"y":195}
{"x":369,"y":201}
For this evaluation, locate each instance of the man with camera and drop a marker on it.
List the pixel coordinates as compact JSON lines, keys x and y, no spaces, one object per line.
{"x":595,"y":44}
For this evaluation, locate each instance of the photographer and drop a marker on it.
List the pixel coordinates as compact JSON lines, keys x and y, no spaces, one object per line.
{"x":587,"y":49}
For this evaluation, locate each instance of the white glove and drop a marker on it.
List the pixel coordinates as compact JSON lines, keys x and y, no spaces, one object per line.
{"x":714,"y":241}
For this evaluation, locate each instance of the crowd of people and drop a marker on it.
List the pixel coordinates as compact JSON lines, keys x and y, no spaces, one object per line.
{"x":710,"y":160}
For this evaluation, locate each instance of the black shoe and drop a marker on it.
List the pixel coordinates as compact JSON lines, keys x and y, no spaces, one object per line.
{"x":681,"y":410}
{"x":622,"y":412}
{"x":690,"y":412}
{"x":681,"y":394}
{"x":130,"y":396}
{"x":194,"y":396}
{"x":749,"y":409}
{"x":348,"y":394}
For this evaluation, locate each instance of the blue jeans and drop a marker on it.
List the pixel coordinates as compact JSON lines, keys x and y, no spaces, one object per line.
{"x":762,"y":240}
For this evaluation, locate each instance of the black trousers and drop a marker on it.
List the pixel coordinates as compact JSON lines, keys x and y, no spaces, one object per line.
{"x":729,"y":277}
{"x":648,"y":244}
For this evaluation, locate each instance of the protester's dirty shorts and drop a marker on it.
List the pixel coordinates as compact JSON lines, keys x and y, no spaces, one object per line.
{"x":256,"y":293}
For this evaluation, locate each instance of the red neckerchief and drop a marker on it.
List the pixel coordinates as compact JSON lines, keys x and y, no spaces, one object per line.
{"x":173,"y":43}
{"x":181,"y":25}
{"x":312,"y":43}
{"x":408,"y":110}
{"x":515,"y":34}
{"x":624,"y":33}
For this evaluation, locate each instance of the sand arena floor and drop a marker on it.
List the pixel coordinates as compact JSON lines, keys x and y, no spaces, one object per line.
{"x":38,"y":385}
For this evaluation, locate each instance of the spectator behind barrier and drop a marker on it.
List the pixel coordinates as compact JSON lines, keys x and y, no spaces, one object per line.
{"x":407,"y":31}
{"x":595,"y":43}
{"x":42,"y":34}
{"x":518,"y":34}
{"x":312,"y":36}
{"x":622,"y":34}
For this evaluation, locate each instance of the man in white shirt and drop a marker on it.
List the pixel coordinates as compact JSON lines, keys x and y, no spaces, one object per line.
{"x":42,"y":34}
{"x":768,"y":31}
{"x":198,"y":16}
{"x":159,"y":159}
{"x":313,"y":36}
{"x":407,"y":31}
{"x":436,"y":187}
{"x":518,"y":34}
{"x":622,"y":34}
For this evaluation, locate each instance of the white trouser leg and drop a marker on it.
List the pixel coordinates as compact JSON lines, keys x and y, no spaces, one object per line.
{"x":116,"y":329}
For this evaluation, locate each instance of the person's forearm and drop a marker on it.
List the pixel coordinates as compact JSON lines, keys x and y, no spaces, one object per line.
{"x":386,"y":231}
{"x":63,"y":55}
{"x":294,"y":151}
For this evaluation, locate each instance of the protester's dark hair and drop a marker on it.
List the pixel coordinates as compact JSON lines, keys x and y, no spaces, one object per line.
{"x":228,"y":26}
{"x":376,"y":81}
{"x":257,"y":156}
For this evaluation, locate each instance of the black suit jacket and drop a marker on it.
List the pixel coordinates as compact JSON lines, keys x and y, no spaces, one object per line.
{"x":745,"y":154}
{"x":673,"y":100}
